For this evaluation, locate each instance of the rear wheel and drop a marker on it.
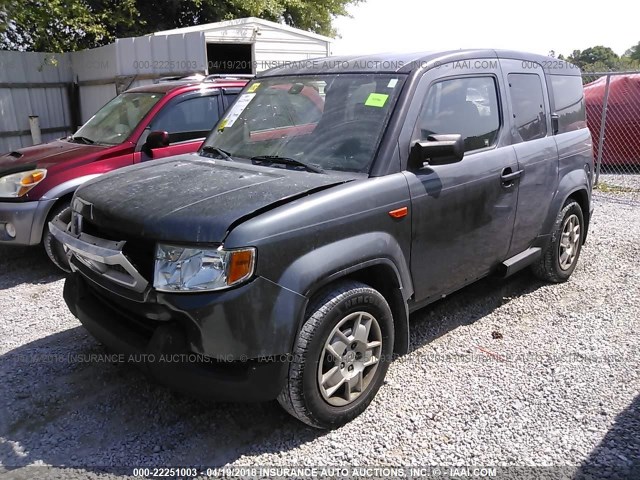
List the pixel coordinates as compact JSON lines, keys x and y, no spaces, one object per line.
{"x":341,"y":356}
{"x":54,"y":249}
{"x":560,"y":257}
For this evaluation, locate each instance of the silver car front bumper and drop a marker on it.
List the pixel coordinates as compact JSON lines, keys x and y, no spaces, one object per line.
{"x":26,"y":218}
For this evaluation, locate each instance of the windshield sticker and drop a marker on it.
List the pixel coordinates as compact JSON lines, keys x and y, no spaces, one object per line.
{"x":392,"y":83}
{"x":254,"y":87}
{"x":376,"y":100}
{"x":236,"y":110}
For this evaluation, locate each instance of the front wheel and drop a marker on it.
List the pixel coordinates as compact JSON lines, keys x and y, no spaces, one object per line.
{"x":54,"y":249}
{"x":560,"y":257}
{"x":341,"y":356}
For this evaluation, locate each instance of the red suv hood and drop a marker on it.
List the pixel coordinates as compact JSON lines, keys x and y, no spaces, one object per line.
{"x":48,"y":154}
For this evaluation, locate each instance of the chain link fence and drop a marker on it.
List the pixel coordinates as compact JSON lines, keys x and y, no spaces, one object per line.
{"x":613,"y":116}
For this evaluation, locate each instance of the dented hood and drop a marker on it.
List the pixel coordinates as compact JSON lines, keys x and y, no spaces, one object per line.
{"x":190,"y":198}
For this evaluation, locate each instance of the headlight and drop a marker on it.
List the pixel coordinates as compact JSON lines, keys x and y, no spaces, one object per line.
{"x":184,"y":269}
{"x":18,"y":184}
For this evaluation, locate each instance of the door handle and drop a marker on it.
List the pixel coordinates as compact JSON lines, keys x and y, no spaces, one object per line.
{"x":508,"y":175}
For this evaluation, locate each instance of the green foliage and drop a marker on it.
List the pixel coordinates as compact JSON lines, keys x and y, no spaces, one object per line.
{"x":604,"y":59}
{"x":600,"y":55}
{"x":62,"y":25}
{"x":69,"y":25}
{"x":633,"y":53}
{"x":610,"y":188}
{"x":312,"y":15}
{"x":628,"y":64}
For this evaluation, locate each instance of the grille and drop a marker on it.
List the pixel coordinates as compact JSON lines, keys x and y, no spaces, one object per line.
{"x":139,"y":252}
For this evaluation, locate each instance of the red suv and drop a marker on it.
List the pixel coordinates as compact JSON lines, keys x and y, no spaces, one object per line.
{"x":144,"y":123}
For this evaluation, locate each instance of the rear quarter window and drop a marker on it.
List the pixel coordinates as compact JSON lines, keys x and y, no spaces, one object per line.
{"x":568,"y":95}
{"x":528,"y":106}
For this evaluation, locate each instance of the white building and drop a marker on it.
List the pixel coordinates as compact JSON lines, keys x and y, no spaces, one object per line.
{"x":250,"y":45}
{"x":39,"y":84}
{"x":242,"y":46}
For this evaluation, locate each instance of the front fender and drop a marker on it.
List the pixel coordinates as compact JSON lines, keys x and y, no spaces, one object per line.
{"x":324,"y":265}
{"x":307,"y":274}
{"x":49,"y":199}
{"x":70,"y":186}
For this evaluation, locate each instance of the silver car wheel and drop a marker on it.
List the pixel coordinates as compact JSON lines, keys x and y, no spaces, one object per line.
{"x":349,"y":359}
{"x":569,"y":242}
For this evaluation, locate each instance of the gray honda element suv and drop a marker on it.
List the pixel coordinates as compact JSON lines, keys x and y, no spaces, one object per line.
{"x":331,"y":200}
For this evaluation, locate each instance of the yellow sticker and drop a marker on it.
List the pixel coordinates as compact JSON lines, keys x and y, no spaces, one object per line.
{"x":254,"y":87}
{"x":376,"y":100}
{"x":223,"y":124}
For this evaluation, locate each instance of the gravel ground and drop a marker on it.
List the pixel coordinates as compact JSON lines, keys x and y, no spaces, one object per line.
{"x":504,"y":373}
{"x":620,"y":188}
{"x":630,"y":182}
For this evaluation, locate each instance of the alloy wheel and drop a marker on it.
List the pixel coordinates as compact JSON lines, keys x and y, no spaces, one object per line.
{"x":350,"y":358}
{"x":569,"y":242}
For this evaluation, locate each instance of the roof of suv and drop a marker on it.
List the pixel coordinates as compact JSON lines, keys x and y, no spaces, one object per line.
{"x":411,"y":62}
{"x":165,"y":87}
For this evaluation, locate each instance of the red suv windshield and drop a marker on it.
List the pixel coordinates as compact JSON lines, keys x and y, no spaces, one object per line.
{"x":115,"y":121}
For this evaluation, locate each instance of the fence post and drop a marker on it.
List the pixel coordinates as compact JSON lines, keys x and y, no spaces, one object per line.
{"x":602,"y":128}
{"x":73,"y":96}
{"x":34,"y":126}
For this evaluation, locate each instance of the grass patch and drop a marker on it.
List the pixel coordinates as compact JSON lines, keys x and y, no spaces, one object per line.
{"x":609,"y":188}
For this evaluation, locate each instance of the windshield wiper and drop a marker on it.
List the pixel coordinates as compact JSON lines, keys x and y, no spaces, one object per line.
{"x":223,"y":154}
{"x":287,"y":161}
{"x":84,"y":140}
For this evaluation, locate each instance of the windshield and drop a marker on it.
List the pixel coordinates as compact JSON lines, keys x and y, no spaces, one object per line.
{"x":115,"y":121}
{"x":334,"y":122}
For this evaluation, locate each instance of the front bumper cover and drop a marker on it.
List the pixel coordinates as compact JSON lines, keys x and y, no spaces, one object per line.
{"x":28,"y":218}
{"x":165,"y":354}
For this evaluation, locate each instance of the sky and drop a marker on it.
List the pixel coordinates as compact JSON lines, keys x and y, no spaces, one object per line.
{"x":422,"y":25}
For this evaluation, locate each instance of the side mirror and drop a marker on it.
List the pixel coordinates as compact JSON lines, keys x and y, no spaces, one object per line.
{"x":157,"y":139}
{"x":437,"y":150}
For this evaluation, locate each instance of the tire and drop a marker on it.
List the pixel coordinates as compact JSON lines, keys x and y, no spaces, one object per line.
{"x":340,"y":307}
{"x":558,"y":262}
{"x":54,"y":249}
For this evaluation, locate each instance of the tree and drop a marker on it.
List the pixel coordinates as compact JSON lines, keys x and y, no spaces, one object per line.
{"x":598,"y":55}
{"x":62,"y":25}
{"x":312,"y":15}
{"x":69,"y":25}
{"x":633,"y":53}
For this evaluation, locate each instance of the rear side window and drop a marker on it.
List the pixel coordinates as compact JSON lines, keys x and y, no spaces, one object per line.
{"x":527,"y":100}
{"x":569,"y":101}
{"x":466,"y":106}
